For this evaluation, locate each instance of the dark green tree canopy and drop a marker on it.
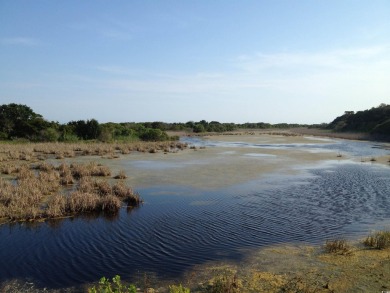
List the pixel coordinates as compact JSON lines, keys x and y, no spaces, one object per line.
{"x":374,"y":121}
{"x":20,"y":121}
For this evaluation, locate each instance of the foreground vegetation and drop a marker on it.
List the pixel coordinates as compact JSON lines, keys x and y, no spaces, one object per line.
{"x":337,"y":266}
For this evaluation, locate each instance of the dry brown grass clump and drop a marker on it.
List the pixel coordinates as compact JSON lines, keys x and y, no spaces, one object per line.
{"x":338,"y":246}
{"x":378,"y":240}
{"x":34,"y":152}
{"x":37,"y":192}
{"x":121,"y":190}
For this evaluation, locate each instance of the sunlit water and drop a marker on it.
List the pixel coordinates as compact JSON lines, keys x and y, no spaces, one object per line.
{"x":179,"y":227}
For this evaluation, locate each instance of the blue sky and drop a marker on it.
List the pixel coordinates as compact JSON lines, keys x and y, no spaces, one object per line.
{"x":176,"y":61}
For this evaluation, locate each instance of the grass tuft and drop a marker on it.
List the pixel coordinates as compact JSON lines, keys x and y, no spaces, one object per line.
{"x":378,"y":240}
{"x":38,"y":192}
{"x":338,"y":246}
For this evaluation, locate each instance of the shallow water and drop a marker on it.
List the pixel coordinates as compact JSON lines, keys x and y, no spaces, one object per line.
{"x":179,"y":226}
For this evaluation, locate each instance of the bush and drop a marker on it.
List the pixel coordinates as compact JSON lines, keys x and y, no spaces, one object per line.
{"x":150,"y":134}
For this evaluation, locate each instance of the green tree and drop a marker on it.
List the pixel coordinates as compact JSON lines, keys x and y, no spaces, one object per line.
{"x":20,"y":121}
{"x":199,"y":128}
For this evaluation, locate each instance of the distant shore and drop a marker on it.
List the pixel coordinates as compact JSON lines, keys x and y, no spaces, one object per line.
{"x":292,"y":131}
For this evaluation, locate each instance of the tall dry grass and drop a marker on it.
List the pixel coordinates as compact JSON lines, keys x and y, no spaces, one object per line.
{"x":37,"y":192}
{"x":35,"y":152}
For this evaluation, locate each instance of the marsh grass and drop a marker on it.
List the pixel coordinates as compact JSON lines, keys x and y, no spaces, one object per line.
{"x":378,"y":240}
{"x":37,"y":192}
{"x":35,"y":152}
{"x":338,"y":246}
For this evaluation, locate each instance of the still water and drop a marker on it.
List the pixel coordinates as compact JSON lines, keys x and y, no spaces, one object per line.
{"x":178,"y":227}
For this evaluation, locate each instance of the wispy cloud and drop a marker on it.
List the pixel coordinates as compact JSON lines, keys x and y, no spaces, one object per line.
{"x":320,"y":61}
{"x":107,"y":28}
{"x":20,"y":41}
{"x":348,"y":76}
{"x":113,"y":69}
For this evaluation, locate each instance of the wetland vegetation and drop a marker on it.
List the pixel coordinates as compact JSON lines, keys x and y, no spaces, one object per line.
{"x":248,"y":196}
{"x":32,"y":188}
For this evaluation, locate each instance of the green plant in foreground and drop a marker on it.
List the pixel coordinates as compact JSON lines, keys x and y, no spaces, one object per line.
{"x":178,"y":289}
{"x":105,"y":286}
{"x":378,"y":240}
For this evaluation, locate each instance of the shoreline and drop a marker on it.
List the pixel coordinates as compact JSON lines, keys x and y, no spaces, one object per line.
{"x":316,"y":132}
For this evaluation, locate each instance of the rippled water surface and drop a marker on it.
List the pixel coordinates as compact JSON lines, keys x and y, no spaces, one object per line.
{"x":179,"y":227}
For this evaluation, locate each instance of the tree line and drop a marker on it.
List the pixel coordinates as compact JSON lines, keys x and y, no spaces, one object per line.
{"x":375,"y":121}
{"x":21,"y":122}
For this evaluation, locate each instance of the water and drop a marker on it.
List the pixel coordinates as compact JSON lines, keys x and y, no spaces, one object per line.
{"x":179,"y":227}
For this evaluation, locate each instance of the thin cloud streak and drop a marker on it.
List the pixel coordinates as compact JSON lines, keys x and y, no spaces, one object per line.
{"x":22,"y":41}
{"x":107,"y":28}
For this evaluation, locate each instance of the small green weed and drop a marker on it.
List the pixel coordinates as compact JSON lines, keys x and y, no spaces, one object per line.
{"x":178,"y":289}
{"x":105,"y":286}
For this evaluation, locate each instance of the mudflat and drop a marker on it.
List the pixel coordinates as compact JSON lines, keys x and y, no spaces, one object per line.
{"x":221,"y":165}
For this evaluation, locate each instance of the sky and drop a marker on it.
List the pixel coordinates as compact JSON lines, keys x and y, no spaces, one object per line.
{"x":301,"y":61}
